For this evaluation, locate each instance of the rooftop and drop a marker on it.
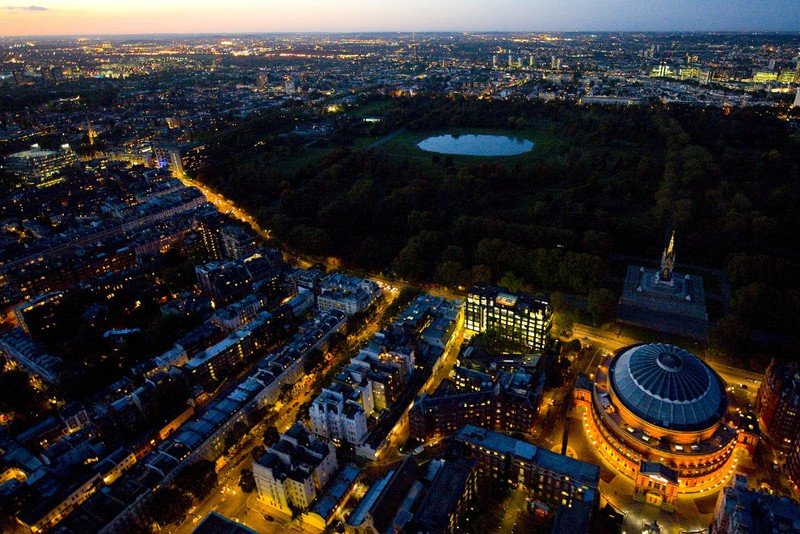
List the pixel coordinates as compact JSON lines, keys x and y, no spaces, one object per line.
{"x":668,"y":386}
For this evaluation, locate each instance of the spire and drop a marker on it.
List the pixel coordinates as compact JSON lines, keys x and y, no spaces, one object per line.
{"x":90,"y":132}
{"x":668,"y":261}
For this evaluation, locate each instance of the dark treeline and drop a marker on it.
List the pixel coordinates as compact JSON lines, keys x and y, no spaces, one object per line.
{"x":614,"y":181}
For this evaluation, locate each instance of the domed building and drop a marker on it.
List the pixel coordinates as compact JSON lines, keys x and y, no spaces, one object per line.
{"x":657,"y":414}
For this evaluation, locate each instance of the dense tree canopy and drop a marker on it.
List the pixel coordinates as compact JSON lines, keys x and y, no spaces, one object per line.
{"x":611,"y":182}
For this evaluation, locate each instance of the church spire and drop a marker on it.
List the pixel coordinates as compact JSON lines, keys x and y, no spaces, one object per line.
{"x":668,"y":261}
{"x":90,"y":132}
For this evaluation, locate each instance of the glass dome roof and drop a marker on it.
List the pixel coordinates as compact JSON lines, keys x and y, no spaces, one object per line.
{"x":668,"y":386}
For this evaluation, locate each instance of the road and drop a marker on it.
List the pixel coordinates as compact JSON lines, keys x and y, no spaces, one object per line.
{"x":605,"y":341}
{"x":223,"y":204}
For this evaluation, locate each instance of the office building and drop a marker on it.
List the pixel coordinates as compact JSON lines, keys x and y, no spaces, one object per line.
{"x":522,"y":318}
{"x":38,"y":166}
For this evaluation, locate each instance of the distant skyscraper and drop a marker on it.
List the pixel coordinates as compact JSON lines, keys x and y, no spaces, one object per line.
{"x":530,"y":61}
{"x":262,"y":82}
{"x":510,"y":61}
{"x":289,"y":86}
{"x":796,"y":103}
{"x":555,"y":63}
{"x":494,"y":61}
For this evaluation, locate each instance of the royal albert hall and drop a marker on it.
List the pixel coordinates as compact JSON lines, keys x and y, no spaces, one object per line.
{"x":657,"y":414}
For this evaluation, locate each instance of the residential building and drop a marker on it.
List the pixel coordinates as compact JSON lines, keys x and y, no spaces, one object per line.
{"x":337,"y":418}
{"x":740,"y":510}
{"x":447,"y":500}
{"x":347,"y":293}
{"x":507,"y":402}
{"x":294,"y":470}
{"x":778,"y":403}
{"x":237,"y":243}
{"x":551,"y":477}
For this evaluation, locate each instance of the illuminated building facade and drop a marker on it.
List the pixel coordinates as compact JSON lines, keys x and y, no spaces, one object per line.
{"x":522,"y":318}
{"x":509,"y":402}
{"x":37,"y":166}
{"x":778,"y":403}
{"x":792,"y":467}
{"x":657,"y":414}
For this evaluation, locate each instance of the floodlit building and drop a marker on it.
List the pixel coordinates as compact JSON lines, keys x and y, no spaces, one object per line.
{"x":522,"y":318}
{"x":657,"y":413}
{"x":294,"y":470}
{"x":38,"y":166}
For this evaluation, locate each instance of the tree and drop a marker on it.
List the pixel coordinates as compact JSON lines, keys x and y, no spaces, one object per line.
{"x":600,"y":305}
{"x":451,"y":274}
{"x":247,"y":481}
{"x":168,"y":505}
{"x":314,"y":360}
{"x":258,"y":451}
{"x":512,"y":282}
{"x":286,"y":389}
{"x":235,"y":434}
{"x":197,"y":479}
{"x":271,"y":435}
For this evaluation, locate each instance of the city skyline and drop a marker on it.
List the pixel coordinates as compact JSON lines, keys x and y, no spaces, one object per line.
{"x":84,"y":17}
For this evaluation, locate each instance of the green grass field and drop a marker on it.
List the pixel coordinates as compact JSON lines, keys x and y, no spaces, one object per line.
{"x":372,"y":108}
{"x":299,"y":161}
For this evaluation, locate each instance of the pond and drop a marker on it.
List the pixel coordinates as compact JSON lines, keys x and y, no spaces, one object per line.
{"x":476,"y":145}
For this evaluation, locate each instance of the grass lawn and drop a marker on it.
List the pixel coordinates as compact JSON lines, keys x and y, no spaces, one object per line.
{"x":299,"y":161}
{"x":372,"y":108}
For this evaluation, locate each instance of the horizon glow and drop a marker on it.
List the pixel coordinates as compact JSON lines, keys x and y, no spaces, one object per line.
{"x":92,"y":17}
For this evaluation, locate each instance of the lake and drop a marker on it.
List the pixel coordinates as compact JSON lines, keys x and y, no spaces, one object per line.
{"x":476,"y":145}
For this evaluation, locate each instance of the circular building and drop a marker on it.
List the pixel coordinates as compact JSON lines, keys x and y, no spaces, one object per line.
{"x":667,"y":391}
{"x":659,"y":412}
